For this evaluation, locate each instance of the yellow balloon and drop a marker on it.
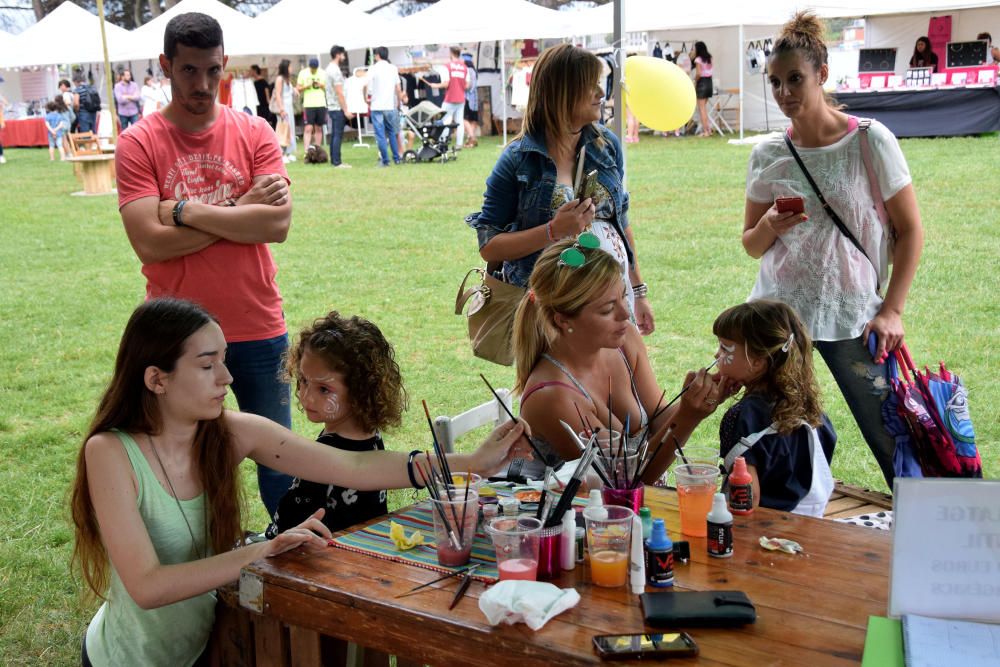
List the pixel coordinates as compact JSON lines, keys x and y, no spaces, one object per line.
{"x":659,"y":93}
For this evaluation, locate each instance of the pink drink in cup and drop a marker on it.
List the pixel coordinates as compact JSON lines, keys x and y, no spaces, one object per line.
{"x":516,"y":541}
{"x":455,"y":520}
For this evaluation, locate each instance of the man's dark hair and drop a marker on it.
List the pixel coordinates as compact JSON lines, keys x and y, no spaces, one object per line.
{"x":64,"y":82}
{"x":455,"y":51}
{"x":985,"y":35}
{"x":255,"y":69}
{"x":199,"y":31}
{"x":382,"y":52}
{"x":336,"y":50}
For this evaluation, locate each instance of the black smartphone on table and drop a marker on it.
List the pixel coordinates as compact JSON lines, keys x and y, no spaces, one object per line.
{"x":654,"y":645}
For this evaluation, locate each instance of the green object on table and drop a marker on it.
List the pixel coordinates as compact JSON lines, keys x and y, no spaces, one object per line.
{"x":883,"y":643}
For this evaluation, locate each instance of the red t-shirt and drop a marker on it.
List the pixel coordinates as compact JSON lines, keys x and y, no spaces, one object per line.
{"x":233,"y":281}
{"x":457,"y":71}
{"x":226,"y":90}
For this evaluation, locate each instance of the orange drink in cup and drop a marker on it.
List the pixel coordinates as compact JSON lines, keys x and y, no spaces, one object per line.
{"x":609,"y":537}
{"x":696,"y":485}
{"x":608,"y":568}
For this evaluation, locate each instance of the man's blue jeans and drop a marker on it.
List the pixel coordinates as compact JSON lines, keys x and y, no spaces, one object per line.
{"x":385,"y":124}
{"x":862,"y":382}
{"x":85,"y":121}
{"x":127,"y":121}
{"x":256,"y":367}
{"x":336,"y":135}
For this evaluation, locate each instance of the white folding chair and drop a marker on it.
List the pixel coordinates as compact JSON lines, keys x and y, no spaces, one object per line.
{"x":450,"y":429}
{"x":718,"y":104}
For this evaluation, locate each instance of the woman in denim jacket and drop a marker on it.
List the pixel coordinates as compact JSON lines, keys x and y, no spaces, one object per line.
{"x":530,"y":201}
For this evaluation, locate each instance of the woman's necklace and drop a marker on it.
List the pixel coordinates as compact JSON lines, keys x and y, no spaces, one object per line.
{"x":194,"y":543}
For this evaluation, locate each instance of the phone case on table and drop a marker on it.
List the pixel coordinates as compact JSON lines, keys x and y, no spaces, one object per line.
{"x":705,"y":609}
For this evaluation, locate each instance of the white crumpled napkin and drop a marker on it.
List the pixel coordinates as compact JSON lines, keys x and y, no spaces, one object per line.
{"x":531,"y":602}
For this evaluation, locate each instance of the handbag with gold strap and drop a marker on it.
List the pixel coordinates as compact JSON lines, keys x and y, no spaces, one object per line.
{"x":491,"y":307}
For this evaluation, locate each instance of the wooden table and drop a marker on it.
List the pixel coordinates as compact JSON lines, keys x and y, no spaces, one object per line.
{"x":812,"y":608}
{"x":97,"y":172}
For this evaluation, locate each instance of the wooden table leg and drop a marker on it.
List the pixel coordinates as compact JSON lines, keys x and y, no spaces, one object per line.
{"x":270,"y":642}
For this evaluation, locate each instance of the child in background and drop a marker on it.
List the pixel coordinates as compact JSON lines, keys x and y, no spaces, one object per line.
{"x":347,"y":379}
{"x":777,"y":426}
{"x":54,"y":125}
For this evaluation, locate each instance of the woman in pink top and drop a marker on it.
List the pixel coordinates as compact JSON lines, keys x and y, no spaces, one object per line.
{"x":703,"y":86}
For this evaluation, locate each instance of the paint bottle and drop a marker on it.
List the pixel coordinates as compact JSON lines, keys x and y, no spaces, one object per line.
{"x":646,"y":517}
{"x":596,"y":500}
{"x":581,"y":541}
{"x":740,"y":488}
{"x":569,"y":540}
{"x":720,"y":528}
{"x":659,"y":556}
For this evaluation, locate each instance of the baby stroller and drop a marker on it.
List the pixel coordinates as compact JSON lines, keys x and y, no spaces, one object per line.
{"x":424,"y":121}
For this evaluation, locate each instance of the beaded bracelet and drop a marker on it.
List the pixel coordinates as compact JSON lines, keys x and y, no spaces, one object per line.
{"x":548,"y":232}
{"x":409,"y":469}
{"x":640,"y":291}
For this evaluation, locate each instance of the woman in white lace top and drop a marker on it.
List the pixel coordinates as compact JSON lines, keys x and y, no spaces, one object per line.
{"x":806,"y":261}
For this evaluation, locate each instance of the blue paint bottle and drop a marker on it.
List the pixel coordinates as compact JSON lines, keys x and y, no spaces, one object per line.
{"x":660,"y":557}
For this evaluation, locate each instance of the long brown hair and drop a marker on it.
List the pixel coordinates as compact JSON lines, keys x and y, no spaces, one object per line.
{"x":765,"y":327}
{"x":554,"y":288}
{"x":804,"y":33}
{"x":561,"y":77}
{"x":155,"y":336}
{"x":357,"y":349}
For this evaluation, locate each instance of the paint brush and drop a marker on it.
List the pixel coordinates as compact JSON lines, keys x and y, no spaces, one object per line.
{"x":438,"y":451}
{"x":544,"y":459}
{"x":571,"y":487}
{"x":466,"y":580}
{"x":465,"y":508}
{"x":433,"y":494}
{"x":416,"y":589}
{"x":583,"y":422}
{"x":681,"y":393}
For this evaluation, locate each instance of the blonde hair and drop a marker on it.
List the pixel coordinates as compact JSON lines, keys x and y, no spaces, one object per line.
{"x":804,"y":33}
{"x":765,"y":328}
{"x":556,"y":289}
{"x":561,"y":77}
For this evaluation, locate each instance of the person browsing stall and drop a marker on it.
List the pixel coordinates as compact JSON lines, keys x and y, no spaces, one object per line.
{"x":530,"y":200}
{"x":704,"y":87}
{"x":459,"y":81}
{"x":923,"y":55}
{"x":336,"y":103}
{"x":806,"y":260}
{"x":575,"y":348}
{"x":346,"y":377}
{"x":202,"y":191}
{"x":778,"y":425}
{"x":311,"y":84}
{"x":156,"y":502}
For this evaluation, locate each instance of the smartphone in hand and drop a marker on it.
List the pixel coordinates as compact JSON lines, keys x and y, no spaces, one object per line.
{"x":789,"y":205}
{"x":588,"y":188}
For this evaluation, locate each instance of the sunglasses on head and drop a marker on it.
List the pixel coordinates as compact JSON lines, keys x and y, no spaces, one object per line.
{"x":573,"y":256}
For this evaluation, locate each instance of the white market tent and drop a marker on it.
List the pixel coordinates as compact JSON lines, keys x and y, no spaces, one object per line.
{"x":146,"y":42}
{"x":68,"y":34}
{"x":464,"y":21}
{"x":307,"y":27}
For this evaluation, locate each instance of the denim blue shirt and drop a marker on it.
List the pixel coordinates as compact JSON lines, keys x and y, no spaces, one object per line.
{"x":519,"y":193}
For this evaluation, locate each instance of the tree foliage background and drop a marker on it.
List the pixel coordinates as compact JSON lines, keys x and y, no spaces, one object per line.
{"x":133,"y":13}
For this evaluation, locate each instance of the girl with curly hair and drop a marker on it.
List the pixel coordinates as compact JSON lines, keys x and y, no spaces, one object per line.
{"x":777,"y":426}
{"x":346,"y":377}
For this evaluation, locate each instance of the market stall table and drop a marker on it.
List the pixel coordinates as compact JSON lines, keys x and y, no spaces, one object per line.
{"x":24,"y":132}
{"x":928,"y":112}
{"x":812,"y":608}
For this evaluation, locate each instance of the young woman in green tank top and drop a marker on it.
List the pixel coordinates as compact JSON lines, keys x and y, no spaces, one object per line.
{"x":157,"y":497}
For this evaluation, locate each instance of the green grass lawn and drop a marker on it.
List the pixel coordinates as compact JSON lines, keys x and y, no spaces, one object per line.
{"x":391,"y":245}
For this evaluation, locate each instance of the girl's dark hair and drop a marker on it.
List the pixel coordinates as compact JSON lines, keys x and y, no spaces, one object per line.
{"x":355,"y":348}
{"x":804,"y":33}
{"x":283,"y":68}
{"x":156,"y":335}
{"x":788,"y":381}
{"x":60,"y":104}
{"x":193,"y":29}
{"x":701,"y":51}
{"x":927,"y":56}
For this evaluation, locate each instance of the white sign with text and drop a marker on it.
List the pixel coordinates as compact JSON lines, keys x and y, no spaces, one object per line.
{"x":946,"y":549}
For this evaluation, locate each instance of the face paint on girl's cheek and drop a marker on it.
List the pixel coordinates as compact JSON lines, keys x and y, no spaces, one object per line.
{"x":331,"y":407}
{"x":727,"y":358}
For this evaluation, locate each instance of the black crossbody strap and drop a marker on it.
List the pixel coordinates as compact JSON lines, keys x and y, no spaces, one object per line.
{"x":830,"y":212}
